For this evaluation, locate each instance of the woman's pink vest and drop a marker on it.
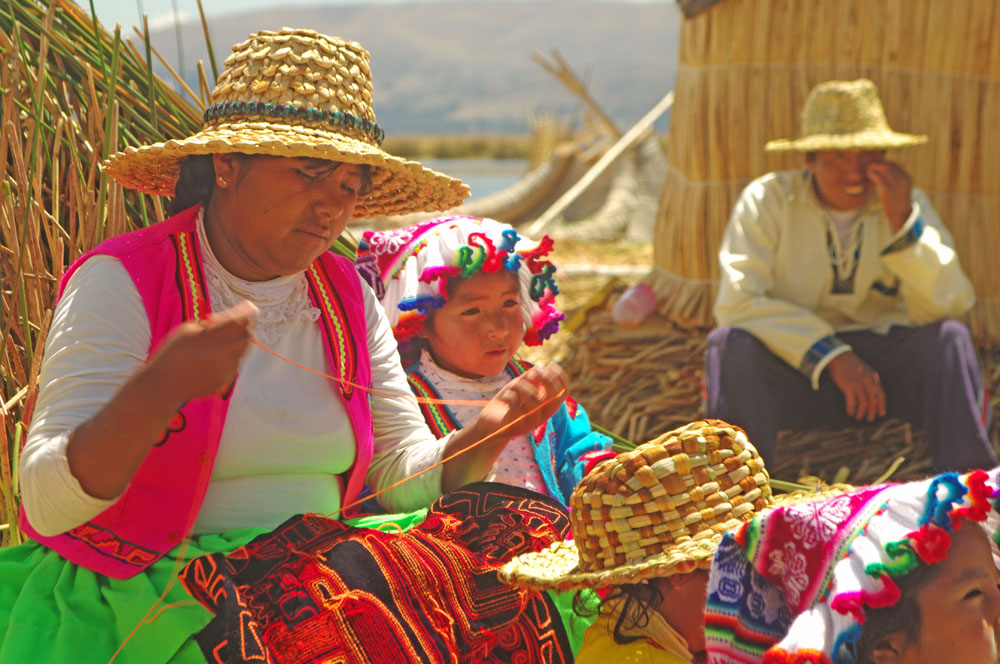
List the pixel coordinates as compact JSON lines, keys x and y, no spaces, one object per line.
{"x":161,"y":503}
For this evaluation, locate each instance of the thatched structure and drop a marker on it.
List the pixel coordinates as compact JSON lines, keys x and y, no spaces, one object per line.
{"x":744,"y":70}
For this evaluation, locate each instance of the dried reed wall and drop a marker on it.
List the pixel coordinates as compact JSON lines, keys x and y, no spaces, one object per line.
{"x":745,"y":68}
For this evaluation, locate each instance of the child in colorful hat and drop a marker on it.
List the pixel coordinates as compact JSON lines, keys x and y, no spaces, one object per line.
{"x":886,"y":574}
{"x":645,"y":525}
{"x":462,"y":294}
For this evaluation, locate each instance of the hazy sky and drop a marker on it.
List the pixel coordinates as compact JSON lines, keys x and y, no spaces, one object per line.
{"x":129,"y":12}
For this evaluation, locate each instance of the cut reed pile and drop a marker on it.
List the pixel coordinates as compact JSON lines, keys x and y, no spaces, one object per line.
{"x":640,"y":382}
{"x":72,"y":93}
{"x":937,"y":66}
{"x":636,"y":382}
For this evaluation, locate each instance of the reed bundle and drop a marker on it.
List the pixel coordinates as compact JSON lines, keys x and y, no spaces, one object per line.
{"x":636,"y":382}
{"x":72,"y":93}
{"x":937,"y":66}
{"x":640,"y":382}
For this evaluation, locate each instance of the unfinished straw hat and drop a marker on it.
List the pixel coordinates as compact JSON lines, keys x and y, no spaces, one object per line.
{"x":844,"y":115}
{"x":295,"y":93}
{"x":654,"y":511}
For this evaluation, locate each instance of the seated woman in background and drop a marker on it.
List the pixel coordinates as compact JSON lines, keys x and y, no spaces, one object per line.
{"x":462,"y":295}
{"x":160,"y":433}
{"x":881,"y":575}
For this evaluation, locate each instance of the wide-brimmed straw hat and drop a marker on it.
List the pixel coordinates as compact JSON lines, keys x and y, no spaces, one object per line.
{"x":844,"y":115}
{"x":295,"y":93}
{"x":658,"y":510}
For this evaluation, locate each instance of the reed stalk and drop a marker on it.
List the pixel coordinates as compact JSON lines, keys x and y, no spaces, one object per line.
{"x":72,"y":93}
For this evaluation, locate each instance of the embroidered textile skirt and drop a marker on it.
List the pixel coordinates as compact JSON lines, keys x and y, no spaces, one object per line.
{"x":316,"y":589}
{"x":54,"y":611}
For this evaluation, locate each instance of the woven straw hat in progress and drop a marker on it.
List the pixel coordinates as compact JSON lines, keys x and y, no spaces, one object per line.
{"x":844,"y":115}
{"x":295,"y":93}
{"x":654,"y":511}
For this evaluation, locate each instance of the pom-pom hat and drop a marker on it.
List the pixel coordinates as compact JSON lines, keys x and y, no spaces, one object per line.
{"x":410,"y":269}
{"x":794,"y":584}
{"x":295,"y":93}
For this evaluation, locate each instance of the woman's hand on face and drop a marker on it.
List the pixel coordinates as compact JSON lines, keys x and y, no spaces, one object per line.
{"x":200,"y":358}
{"x":525,"y":403}
{"x":894,"y":186}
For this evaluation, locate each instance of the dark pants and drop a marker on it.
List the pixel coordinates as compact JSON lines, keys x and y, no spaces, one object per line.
{"x":930,"y":375}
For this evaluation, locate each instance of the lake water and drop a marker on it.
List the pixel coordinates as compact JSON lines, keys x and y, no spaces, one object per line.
{"x":484,"y":176}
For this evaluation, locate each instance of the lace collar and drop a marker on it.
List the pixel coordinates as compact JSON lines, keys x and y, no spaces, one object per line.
{"x":283,"y":301}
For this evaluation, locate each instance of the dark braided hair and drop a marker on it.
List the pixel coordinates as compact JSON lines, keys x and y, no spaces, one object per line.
{"x":638,"y":602}
{"x":197,"y":181}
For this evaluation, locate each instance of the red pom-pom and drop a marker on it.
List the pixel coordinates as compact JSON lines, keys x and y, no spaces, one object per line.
{"x":931,"y":543}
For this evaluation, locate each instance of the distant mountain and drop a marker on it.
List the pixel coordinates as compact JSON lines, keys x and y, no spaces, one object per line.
{"x":458,"y":67}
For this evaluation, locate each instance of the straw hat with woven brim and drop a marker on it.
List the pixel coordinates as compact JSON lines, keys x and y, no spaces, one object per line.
{"x":654,"y":511}
{"x":295,"y":93}
{"x":844,"y":115}
{"x":658,"y":510}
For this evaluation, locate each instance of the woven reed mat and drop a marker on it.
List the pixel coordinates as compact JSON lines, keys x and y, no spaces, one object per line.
{"x":640,"y":382}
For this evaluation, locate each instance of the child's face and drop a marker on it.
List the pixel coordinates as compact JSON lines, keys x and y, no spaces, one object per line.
{"x":480,"y":327}
{"x":960,"y":607}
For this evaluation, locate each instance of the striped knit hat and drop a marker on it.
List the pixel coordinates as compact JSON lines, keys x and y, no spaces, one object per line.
{"x":793,"y":585}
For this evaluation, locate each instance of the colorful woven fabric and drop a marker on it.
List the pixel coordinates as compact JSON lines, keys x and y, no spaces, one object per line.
{"x":320,"y":590}
{"x":409,"y":269}
{"x":793,"y":585}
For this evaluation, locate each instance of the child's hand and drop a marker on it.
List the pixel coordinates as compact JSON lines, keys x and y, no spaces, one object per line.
{"x":526,"y":403}
{"x":523,"y":405}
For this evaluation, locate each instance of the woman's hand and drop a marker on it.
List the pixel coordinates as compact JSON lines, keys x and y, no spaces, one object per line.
{"x":200,"y":358}
{"x":196,"y":359}
{"x":894,"y":187}
{"x":860,"y":384}
{"x":523,"y":405}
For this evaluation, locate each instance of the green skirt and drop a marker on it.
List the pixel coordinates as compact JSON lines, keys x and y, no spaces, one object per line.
{"x":52,"y":610}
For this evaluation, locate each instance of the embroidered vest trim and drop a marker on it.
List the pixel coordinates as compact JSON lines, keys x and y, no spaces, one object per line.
{"x":342,"y":347}
{"x":439,"y":417}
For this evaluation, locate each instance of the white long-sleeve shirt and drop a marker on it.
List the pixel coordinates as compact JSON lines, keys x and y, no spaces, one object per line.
{"x":286,"y":437}
{"x":777,"y":277}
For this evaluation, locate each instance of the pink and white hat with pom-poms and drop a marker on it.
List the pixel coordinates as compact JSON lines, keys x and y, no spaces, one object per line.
{"x":410,"y":268}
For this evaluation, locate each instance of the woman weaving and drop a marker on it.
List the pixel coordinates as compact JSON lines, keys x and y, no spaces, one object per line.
{"x":157,"y":420}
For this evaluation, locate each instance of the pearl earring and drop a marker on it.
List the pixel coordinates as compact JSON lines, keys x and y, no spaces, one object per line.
{"x":222,"y":181}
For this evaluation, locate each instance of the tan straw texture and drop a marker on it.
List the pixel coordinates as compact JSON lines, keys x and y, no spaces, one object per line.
{"x":654,"y":511}
{"x":295,"y":93}
{"x":844,"y":115}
